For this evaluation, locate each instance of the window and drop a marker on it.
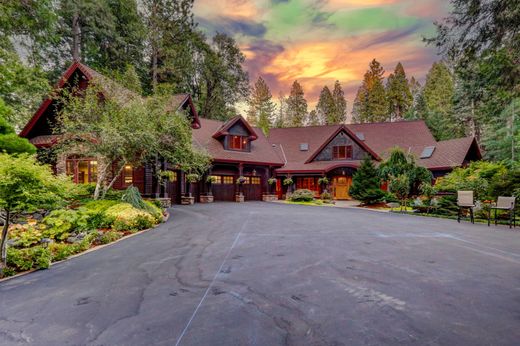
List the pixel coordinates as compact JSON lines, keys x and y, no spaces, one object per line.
{"x":174,"y":176}
{"x":128,"y":177}
{"x":255,"y":180}
{"x":82,"y":171}
{"x":237,"y":142}
{"x":228,"y":180}
{"x":216,"y":179}
{"x":307,"y":183}
{"x":342,"y":152}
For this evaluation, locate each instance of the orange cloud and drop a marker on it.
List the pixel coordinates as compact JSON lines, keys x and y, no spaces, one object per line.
{"x":226,"y":8}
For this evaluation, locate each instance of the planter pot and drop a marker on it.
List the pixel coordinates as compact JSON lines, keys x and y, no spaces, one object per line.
{"x":206,"y":199}
{"x":187,"y":200}
{"x":239,"y":198}
{"x":269,"y":197}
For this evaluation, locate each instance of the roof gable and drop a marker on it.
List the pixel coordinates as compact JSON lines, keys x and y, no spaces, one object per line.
{"x":232,"y":124}
{"x":351,"y":135}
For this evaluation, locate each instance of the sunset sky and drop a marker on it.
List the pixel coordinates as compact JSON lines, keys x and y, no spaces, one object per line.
{"x":319,"y":41}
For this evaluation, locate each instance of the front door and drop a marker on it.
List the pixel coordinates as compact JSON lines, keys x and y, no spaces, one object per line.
{"x":341,"y":185}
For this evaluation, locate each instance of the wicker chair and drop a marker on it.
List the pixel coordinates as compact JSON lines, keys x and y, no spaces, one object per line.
{"x":465,"y":201}
{"x":506,"y":204}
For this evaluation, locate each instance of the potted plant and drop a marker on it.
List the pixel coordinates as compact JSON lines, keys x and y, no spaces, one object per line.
{"x":191,"y":178}
{"x":323,"y":182}
{"x":288,"y":182}
{"x":271,"y":182}
{"x":211,"y":179}
{"x":241,"y":180}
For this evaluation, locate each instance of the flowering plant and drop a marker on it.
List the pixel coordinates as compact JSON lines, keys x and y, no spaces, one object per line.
{"x":241,"y":180}
{"x":288,"y":181}
{"x":271,"y":181}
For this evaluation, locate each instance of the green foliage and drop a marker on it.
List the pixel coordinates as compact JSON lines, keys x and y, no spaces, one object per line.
{"x":482,"y":177}
{"x":192,"y":178}
{"x":398,"y":93}
{"x":325,"y":109}
{"x":133,"y":197}
{"x":36,"y":257}
{"x":60,"y":223}
{"x":399,"y":163}
{"x":326,"y":196}
{"x":370,"y":104}
{"x":400,"y":186}
{"x":323,"y":181}
{"x":110,"y":236}
{"x":366,"y":185}
{"x":339,"y":116}
{"x":126,"y":217}
{"x":296,"y":106}
{"x":25,"y":235}
{"x":302,"y":195}
{"x":502,"y":136}
{"x":288,"y":181}
{"x":271,"y":181}
{"x":9,"y":140}
{"x":261,"y":107}
{"x":507,"y":185}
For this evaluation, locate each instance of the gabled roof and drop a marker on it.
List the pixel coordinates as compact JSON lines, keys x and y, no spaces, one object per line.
{"x":261,"y":150}
{"x":110,"y":89}
{"x":343,"y":128}
{"x":452,"y":153}
{"x":224,"y":129}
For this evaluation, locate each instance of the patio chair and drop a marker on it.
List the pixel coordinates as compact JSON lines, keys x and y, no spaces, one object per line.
{"x":506,"y":204}
{"x":465,"y":201}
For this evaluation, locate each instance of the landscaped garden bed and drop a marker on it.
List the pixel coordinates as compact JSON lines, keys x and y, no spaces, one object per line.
{"x":35,"y":244}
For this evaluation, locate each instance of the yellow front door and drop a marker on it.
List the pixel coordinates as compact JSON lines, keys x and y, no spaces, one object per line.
{"x":341,"y":186}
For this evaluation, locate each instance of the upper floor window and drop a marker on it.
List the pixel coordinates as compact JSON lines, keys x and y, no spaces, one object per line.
{"x":342,"y":152}
{"x":128,"y":176}
{"x":237,"y":142}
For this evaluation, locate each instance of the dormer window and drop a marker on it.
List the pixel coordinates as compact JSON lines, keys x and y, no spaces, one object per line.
{"x":237,"y":142}
{"x":342,"y":152}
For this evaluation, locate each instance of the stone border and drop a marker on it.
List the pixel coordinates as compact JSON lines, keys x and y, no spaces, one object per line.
{"x":92,"y":249}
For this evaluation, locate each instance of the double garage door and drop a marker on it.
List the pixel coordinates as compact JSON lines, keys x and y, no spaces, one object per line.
{"x":225,"y":188}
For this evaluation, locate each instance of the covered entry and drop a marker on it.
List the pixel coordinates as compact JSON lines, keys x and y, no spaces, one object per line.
{"x":341,"y":186}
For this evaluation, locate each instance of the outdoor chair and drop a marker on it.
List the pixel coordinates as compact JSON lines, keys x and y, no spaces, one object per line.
{"x":506,"y":204}
{"x":465,"y":201}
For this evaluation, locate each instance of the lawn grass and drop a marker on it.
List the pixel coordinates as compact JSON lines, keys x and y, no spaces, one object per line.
{"x":315,"y":203}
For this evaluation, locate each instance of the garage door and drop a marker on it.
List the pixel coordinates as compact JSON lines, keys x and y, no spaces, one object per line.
{"x":224,"y":188}
{"x":253,"y":189}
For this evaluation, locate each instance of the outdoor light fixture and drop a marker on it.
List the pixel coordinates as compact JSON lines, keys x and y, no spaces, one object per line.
{"x":254,"y":171}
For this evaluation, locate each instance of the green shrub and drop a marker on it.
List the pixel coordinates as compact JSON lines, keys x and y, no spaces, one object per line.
{"x":115,"y":195}
{"x":153,"y":209}
{"x":110,"y":236}
{"x":25,"y":235}
{"x":302,"y":195}
{"x":127,"y":217}
{"x":60,"y":223}
{"x":61,"y":251}
{"x":96,"y":213}
{"x":36,"y":257}
{"x":133,"y":197}
{"x":326,"y":196}
{"x":366,"y":183}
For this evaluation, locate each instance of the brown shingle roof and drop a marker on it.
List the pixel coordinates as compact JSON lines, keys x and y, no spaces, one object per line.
{"x":411,"y":136}
{"x":261,"y":149}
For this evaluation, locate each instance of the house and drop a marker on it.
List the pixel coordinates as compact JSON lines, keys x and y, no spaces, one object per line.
{"x":238,"y":149}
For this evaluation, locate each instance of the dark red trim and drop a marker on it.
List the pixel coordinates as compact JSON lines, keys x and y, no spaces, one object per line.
{"x":47,"y":102}
{"x":247,"y":162}
{"x":196,"y":121}
{"x":351,"y":135}
{"x":223,"y":131}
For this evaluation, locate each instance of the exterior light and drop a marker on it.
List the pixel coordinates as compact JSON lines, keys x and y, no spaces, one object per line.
{"x":254,"y":171}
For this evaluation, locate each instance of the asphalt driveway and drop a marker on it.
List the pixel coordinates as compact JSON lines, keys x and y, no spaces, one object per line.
{"x":272,"y":274}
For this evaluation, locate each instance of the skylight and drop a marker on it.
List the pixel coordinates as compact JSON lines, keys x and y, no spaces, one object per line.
{"x":304,"y":146}
{"x":360,"y":135}
{"x":427,"y":152}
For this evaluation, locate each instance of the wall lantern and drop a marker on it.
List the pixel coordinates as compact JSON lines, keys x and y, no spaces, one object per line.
{"x":254,"y":172}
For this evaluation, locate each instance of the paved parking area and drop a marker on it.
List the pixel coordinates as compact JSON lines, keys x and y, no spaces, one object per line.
{"x":271,"y":274}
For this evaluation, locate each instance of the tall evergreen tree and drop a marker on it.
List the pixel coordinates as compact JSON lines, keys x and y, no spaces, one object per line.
{"x":370,"y":104}
{"x":261,"y":107}
{"x":417,"y":106}
{"x":340,"y":105}
{"x":313,"y":119}
{"x":398,"y":93}
{"x":366,"y":184}
{"x":296,"y":106}
{"x":502,"y":139}
{"x":438,"y":93}
{"x":282,"y":109}
{"x":325,"y":109}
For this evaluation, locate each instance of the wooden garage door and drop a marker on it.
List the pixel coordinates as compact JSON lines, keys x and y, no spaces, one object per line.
{"x":224,"y":188}
{"x":253,"y":188}
{"x":174,"y":188}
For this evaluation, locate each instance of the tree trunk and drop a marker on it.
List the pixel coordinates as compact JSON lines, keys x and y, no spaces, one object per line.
{"x":109,"y":186}
{"x":3,"y":244}
{"x":102,"y":174}
{"x":76,"y":37}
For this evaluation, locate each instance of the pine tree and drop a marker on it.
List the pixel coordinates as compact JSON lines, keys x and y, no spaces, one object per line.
{"x":417,"y":106}
{"x":366,"y":185}
{"x":261,"y":107}
{"x":296,"y":106}
{"x":398,"y":93}
{"x":340,"y":105}
{"x":325,"y":109}
{"x":282,"y":109}
{"x":370,"y":104}
{"x":502,"y":139}
{"x":313,"y":119}
{"x":438,"y":93}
